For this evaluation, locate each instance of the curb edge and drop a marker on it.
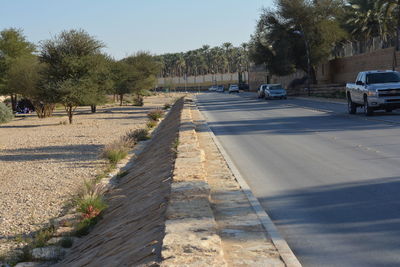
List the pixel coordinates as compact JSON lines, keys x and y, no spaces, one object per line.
{"x":280,"y":243}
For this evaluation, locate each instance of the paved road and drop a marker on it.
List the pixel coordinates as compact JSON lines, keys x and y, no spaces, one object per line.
{"x":330,"y":181}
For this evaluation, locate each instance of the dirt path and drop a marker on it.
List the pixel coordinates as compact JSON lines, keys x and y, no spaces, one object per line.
{"x":43,"y":162}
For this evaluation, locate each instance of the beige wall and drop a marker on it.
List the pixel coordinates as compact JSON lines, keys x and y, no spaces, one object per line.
{"x":202,"y":80}
{"x":336,"y":71}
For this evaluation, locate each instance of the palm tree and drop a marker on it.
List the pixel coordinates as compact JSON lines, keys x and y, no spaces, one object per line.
{"x":390,"y":9}
{"x":228,"y":54}
{"x":364,"y":20}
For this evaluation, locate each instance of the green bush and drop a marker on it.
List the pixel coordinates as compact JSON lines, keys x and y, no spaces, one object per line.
{"x":166,"y":106}
{"x":42,"y":237}
{"x":117,"y":151}
{"x":90,"y":202}
{"x":138,"y":101}
{"x":83,"y":228}
{"x":138,"y":135}
{"x":145,"y":92}
{"x":155,"y":114}
{"x":151,"y":124}
{"x":115,"y":156}
{"x":6,"y":114}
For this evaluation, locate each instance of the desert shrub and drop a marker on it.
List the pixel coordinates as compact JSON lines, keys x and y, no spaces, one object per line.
{"x":145,"y":92}
{"x":175,"y":145}
{"x":83,"y":228}
{"x":90,"y":202}
{"x":151,"y":124}
{"x":6,"y":114}
{"x":42,"y":237}
{"x":155,"y":114}
{"x":138,"y":135}
{"x":166,"y":106}
{"x":115,"y":156}
{"x":138,"y":101}
{"x":117,"y":151}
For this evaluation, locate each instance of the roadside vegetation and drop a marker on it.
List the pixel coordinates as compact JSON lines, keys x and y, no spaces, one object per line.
{"x":300,"y":34}
{"x":71,"y":70}
{"x":6,"y":114}
{"x":90,"y":202}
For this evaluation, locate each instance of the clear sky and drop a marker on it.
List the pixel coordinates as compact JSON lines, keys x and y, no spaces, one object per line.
{"x":128,"y":26}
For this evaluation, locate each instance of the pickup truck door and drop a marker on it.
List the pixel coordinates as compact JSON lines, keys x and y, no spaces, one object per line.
{"x":359,"y":92}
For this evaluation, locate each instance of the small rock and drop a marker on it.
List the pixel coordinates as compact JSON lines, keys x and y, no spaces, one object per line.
{"x":66,"y":220}
{"x":48,"y":253}
{"x":54,"y":240}
{"x":64,"y":231}
{"x":28,"y":264}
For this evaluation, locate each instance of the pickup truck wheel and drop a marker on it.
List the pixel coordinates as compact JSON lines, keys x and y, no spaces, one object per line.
{"x":368,"y":111}
{"x":351,"y":106}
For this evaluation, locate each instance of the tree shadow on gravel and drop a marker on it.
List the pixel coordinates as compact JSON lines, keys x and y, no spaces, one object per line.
{"x":27,"y":126}
{"x":68,"y":153}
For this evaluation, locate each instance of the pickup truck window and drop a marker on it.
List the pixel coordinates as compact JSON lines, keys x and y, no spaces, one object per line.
{"x":385,"y":77}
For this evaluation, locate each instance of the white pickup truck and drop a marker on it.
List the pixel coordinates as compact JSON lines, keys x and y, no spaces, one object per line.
{"x":374,"y":90}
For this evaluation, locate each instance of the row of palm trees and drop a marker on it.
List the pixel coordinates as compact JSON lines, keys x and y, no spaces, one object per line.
{"x":363,"y":20}
{"x":205,"y":60}
{"x":373,"y":18}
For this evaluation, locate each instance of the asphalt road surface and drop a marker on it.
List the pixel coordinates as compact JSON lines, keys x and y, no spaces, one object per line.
{"x":330,"y":181}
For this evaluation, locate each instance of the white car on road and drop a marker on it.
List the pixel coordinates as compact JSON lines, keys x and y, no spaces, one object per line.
{"x":233,"y":88}
{"x":213,"y":88}
{"x":275,"y":91}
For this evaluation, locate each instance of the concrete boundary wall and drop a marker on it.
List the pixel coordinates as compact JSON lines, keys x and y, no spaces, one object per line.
{"x":201,"y":80}
{"x":336,"y":71}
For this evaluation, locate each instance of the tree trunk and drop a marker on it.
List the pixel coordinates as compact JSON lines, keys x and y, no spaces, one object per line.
{"x":13,"y":102}
{"x":121,"y":96}
{"x":313,"y":75}
{"x":93,"y":108}
{"x":70,"y":111}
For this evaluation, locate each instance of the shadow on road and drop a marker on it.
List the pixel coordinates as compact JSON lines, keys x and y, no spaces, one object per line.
{"x":283,"y":122}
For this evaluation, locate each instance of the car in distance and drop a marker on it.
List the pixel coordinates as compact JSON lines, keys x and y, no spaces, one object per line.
{"x":275,"y":91}
{"x":374,"y":90}
{"x":220,"y":88}
{"x":261,"y":90}
{"x":233,"y":88}
{"x":213,"y":88}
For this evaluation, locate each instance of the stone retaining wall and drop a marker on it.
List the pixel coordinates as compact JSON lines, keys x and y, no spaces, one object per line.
{"x":191,"y":233}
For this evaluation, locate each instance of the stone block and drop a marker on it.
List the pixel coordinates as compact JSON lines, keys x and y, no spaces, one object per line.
{"x":48,"y":253}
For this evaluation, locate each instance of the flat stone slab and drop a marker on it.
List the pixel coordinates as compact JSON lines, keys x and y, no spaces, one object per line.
{"x":189,"y":208}
{"x":50,"y":253}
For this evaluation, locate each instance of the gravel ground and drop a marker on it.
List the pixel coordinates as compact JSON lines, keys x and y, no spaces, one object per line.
{"x":43,"y":162}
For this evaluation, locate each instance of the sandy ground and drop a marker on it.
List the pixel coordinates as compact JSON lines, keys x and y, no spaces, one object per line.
{"x":43,"y":162}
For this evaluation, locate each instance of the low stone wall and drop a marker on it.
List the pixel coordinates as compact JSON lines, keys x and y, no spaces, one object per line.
{"x":191,"y":233}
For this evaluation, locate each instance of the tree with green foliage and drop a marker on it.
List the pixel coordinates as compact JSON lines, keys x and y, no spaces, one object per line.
{"x":296,"y":32}
{"x":13,"y":46}
{"x":24,"y":77}
{"x":121,"y":72}
{"x":73,"y":69}
{"x":6,"y":113}
{"x":134,"y":74}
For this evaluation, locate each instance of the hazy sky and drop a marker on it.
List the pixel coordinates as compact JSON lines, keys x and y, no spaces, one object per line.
{"x":157,"y":26}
